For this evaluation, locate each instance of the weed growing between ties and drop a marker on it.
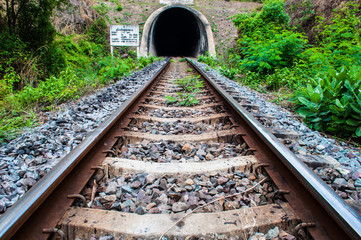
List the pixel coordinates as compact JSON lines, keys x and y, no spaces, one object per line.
{"x":191,"y":85}
{"x":321,"y":80}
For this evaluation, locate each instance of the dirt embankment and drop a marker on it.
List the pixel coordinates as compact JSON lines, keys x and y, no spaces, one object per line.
{"x":303,"y":13}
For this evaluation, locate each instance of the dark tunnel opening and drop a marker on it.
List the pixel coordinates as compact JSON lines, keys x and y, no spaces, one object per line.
{"x":176,"y":33}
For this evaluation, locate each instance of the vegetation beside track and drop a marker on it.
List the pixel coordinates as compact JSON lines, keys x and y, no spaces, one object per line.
{"x":322,"y":79}
{"x":41,"y":68}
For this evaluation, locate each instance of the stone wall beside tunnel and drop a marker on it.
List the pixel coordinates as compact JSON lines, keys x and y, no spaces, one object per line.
{"x":177,"y":31}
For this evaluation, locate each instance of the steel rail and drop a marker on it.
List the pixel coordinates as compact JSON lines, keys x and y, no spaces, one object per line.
{"x":338,"y":209}
{"x":15,"y":218}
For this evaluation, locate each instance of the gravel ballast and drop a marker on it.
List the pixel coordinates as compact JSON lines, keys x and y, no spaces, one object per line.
{"x":29,"y":157}
{"x":344,"y":177}
{"x":26,"y":159}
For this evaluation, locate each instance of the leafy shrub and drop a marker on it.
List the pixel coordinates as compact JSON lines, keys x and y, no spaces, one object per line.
{"x":228,"y":72}
{"x":273,"y":12}
{"x":7,"y":82}
{"x":333,"y":103}
{"x":52,"y":59}
{"x":266,"y":41}
{"x":208,"y":59}
{"x":97,"y":32}
{"x":289,"y":77}
{"x":16,"y":59}
{"x":340,"y":39}
{"x":52,"y":90}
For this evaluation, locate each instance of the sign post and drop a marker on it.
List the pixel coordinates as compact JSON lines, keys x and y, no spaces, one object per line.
{"x":124,"y":35}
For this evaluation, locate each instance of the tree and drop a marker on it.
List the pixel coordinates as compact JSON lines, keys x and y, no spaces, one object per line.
{"x":30,"y":20}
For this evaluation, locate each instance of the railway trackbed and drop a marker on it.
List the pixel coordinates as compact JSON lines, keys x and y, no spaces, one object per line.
{"x":180,"y":159}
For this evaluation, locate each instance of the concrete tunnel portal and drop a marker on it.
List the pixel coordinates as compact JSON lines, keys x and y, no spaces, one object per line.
{"x":177,"y":31}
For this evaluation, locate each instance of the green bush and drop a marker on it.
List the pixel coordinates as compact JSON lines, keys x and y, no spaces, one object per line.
{"x":15,"y":59}
{"x":74,"y":64}
{"x":208,"y":59}
{"x":7,"y":82}
{"x":97,"y":32}
{"x":340,"y":39}
{"x":273,"y":12}
{"x":52,"y":59}
{"x":52,"y":90}
{"x":333,"y":103}
{"x":228,"y":72}
{"x":266,"y":41}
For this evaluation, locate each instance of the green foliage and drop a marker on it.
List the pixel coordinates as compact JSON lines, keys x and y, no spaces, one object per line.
{"x":266,"y":41}
{"x":102,"y":9}
{"x":187,"y":99}
{"x":273,"y":12}
{"x":339,"y":41}
{"x":333,"y":103}
{"x":13,"y":56}
{"x":119,"y":7}
{"x":30,"y":20}
{"x":171,"y":99}
{"x":12,"y":123}
{"x":306,"y":9}
{"x":52,"y":59}
{"x":192,"y":84}
{"x":271,"y":55}
{"x":86,"y":66}
{"x":183,"y":99}
{"x":98,"y":32}
{"x":7,"y":82}
{"x":228,"y":72}
{"x":209,"y":60}
{"x":52,"y":90}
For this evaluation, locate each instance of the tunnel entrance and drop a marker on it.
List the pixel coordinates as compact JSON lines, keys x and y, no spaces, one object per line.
{"x":177,"y":31}
{"x":176,"y":34}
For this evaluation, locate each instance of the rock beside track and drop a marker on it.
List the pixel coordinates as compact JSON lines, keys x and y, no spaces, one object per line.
{"x":309,"y":142}
{"x":26,"y":159}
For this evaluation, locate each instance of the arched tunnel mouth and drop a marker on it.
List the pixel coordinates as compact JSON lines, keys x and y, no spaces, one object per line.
{"x":177,"y":33}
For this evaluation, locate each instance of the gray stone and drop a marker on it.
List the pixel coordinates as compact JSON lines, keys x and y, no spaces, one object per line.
{"x":136,"y":184}
{"x":315,"y":161}
{"x":106,"y":238}
{"x":320,"y":147}
{"x":272,"y":233}
{"x":2,"y":205}
{"x":201,"y":152}
{"x":358,"y":183}
{"x":179,"y":206}
{"x":150,"y":178}
{"x":222,"y":180}
{"x":340,"y":182}
{"x":112,"y":188}
{"x":140,"y":210}
{"x":127,"y":189}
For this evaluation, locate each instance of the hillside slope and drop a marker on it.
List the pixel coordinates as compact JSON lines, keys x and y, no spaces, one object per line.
{"x":303,"y":13}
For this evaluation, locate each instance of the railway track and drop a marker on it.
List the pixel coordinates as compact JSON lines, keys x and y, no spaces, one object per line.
{"x":180,"y":162}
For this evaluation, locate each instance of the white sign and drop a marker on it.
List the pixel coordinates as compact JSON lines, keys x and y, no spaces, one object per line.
{"x":124,"y":35}
{"x":190,"y":2}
